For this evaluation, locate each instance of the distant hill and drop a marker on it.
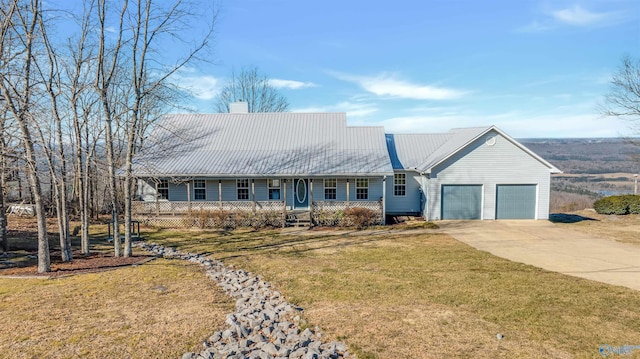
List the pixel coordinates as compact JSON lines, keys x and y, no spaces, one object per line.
{"x":588,"y":155}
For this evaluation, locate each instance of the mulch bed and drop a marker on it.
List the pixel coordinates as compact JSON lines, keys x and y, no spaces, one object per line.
{"x":80,"y":264}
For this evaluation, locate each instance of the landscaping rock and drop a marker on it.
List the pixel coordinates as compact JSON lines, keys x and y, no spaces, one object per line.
{"x":261,"y":326}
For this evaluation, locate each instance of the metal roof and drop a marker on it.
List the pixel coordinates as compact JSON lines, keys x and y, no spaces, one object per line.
{"x":258,"y":144}
{"x":422,"y":152}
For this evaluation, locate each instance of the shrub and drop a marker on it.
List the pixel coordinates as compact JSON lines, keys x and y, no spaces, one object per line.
{"x":264,"y":219}
{"x":327,"y":218}
{"x":626,"y":204}
{"x":634,"y":204}
{"x":359,"y":217}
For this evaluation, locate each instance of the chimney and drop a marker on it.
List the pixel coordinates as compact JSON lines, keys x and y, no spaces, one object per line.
{"x":239,"y":107}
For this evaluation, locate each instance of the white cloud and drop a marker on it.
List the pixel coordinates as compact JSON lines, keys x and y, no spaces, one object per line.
{"x":290,"y":84}
{"x":388,"y":85}
{"x":574,"y":16}
{"x":200,"y":87}
{"x":516,"y":124}
{"x":580,"y":17}
{"x":353,"y":109}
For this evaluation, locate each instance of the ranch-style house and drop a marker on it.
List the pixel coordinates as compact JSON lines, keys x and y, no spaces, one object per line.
{"x":313,"y":165}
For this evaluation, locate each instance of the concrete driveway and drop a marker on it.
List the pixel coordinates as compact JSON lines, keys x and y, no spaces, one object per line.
{"x":552,"y":247}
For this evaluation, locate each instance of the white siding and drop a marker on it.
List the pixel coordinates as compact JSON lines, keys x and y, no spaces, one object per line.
{"x":411,"y":202}
{"x":482,"y":164}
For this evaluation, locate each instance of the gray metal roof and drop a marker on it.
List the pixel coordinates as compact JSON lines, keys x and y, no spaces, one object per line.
{"x":422,"y":152}
{"x":258,"y":144}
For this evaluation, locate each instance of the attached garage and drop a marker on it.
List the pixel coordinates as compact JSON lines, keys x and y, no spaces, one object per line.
{"x":472,"y":173}
{"x":461,"y":201}
{"x":516,"y":201}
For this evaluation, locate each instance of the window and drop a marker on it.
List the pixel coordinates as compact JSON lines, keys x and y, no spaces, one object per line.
{"x":330,"y":185}
{"x":199,"y":189}
{"x":274,"y":188}
{"x":242,"y":187}
{"x":163,"y":189}
{"x":399,"y":184}
{"x":362,"y":188}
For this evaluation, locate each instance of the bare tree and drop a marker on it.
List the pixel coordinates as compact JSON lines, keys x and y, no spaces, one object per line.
{"x":18,"y":34}
{"x":53,"y":86}
{"x":151,"y":23}
{"x":623,"y":99}
{"x":254,"y":88}
{"x":78,"y":86}
{"x":106,"y":72}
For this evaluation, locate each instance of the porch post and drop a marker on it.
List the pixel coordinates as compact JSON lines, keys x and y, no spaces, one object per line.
{"x":157,"y":202}
{"x":348,"y":196}
{"x":189,"y":197}
{"x":284,"y":209}
{"x":220,"y":193}
{"x":253,"y":195}
{"x":384,"y":200}
{"x":311,"y":200}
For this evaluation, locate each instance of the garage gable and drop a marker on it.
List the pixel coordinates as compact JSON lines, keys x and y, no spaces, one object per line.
{"x":511,"y":177}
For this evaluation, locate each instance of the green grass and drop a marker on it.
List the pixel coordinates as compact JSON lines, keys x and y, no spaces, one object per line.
{"x":427,"y":295}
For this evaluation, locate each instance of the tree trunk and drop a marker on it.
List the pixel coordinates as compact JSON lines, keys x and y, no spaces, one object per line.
{"x":44,"y":262}
{"x":3,"y":169}
{"x":3,"y":215}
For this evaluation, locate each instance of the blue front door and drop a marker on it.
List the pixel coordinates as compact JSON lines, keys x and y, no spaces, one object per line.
{"x":301,"y":190}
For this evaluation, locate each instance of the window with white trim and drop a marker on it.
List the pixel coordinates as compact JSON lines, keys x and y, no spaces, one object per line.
{"x":274,"y":188}
{"x":399,"y":184}
{"x":163,"y":189}
{"x":242,"y":188}
{"x":199,"y":189}
{"x":362,"y":188}
{"x":330,"y":188}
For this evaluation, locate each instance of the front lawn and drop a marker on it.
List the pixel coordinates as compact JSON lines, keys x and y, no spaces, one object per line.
{"x":426,"y":295}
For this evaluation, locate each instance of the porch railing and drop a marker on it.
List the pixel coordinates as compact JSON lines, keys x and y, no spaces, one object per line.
{"x":325,"y":213}
{"x":184,"y":207}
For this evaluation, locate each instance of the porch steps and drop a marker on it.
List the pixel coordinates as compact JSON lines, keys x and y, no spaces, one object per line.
{"x":299,"y":219}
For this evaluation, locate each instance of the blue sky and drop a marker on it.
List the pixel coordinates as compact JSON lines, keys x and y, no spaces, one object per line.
{"x":533,"y":68}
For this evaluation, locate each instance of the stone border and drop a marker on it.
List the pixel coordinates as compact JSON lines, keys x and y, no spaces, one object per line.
{"x":264,"y":324}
